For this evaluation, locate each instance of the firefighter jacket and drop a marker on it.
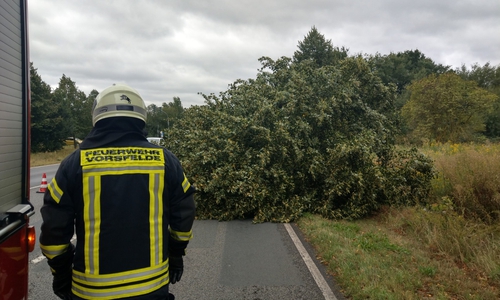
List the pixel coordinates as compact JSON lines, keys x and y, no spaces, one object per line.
{"x":131,"y":206}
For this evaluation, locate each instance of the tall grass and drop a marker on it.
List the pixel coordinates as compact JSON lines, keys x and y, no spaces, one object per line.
{"x":473,"y":246}
{"x":467,"y":193}
{"x":469,"y":179}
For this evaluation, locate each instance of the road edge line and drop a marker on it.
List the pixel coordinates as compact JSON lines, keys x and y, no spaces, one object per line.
{"x":316,"y":274}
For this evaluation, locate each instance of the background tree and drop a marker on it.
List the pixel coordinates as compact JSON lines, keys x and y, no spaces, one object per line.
{"x":84,"y":119}
{"x":73,"y":105}
{"x":402,"y":68}
{"x":318,"y":49}
{"x":161,"y":119}
{"x":488,"y":78}
{"x":46,"y":116}
{"x":174,"y":111}
{"x":152,"y":121}
{"x":447,"y":108}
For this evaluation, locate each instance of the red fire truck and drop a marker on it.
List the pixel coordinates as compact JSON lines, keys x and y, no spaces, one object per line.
{"x":17,"y":237}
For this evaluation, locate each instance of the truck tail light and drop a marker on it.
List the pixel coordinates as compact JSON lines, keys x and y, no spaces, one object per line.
{"x":31,"y":238}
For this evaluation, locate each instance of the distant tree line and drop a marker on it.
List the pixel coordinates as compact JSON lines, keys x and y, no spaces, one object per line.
{"x":66,"y":111}
{"x":439,"y":104}
{"x":315,"y":132}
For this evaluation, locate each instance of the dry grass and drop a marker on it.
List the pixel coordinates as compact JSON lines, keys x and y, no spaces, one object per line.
{"x":48,"y":158}
{"x":469,"y":179}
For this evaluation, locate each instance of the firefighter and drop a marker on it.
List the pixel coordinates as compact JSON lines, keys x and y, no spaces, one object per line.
{"x":129,"y":202}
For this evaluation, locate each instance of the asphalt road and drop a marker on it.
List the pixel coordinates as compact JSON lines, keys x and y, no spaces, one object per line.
{"x":225,"y":260}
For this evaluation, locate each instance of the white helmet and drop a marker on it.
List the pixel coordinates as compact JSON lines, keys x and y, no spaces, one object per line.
{"x":118,"y":100}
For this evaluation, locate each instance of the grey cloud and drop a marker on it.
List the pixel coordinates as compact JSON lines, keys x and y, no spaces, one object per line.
{"x":169,"y":49}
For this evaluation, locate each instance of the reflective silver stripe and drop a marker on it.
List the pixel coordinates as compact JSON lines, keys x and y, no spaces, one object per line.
{"x":185,"y":184}
{"x":119,"y":107}
{"x":121,"y":169}
{"x":120,"y":292}
{"x":121,"y":278}
{"x":91,"y":222}
{"x":55,"y":191}
{"x":53,"y":250}
{"x":157,"y":225}
{"x":53,"y":253}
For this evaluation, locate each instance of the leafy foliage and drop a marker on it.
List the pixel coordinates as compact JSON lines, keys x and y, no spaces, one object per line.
{"x":316,"y":48}
{"x":164,"y":117}
{"x":401,"y":69}
{"x":84,"y":115}
{"x":298,"y":138}
{"x":76,"y":107}
{"x":46,"y":116}
{"x":493,"y":121}
{"x":58,"y":114}
{"x":447,"y":108}
{"x":404,"y":67}
{"x":488,"y":78}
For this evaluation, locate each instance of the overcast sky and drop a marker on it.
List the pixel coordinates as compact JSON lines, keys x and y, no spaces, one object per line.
{"x":178,"y":48}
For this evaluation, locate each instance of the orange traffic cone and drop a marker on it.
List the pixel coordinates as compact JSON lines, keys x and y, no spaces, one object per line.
{"x":43,"y":185}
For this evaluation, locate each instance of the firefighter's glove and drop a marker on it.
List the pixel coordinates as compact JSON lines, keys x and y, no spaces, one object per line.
{"x":64,"y":291}
{"x":175,"y":268}
{"x":62,"y":266}
{"x":61,"y":285}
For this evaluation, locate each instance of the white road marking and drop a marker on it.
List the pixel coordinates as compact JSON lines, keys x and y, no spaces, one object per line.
{"x":316,"y":274}
{"x":38,"y":259}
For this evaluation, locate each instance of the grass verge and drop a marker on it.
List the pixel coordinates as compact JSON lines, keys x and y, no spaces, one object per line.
{"x":449,"y":249}
{"x":48,"y":158}
{"x":404,"y":254}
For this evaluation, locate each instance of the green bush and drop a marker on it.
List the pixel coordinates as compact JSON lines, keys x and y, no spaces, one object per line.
{"x":296,"y":139}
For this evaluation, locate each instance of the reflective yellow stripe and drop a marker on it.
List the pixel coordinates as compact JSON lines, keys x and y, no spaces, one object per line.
{"x":182,"y":236}
{"x":96,"y":212}
{"x":185,"y":184}
{"x":51,"y":251}
{"x":55,"y":191}
{"x":156,"y":184}
{"x":103,"y":280}
{"x":120,"y":285}
{"x":92,"y":221}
